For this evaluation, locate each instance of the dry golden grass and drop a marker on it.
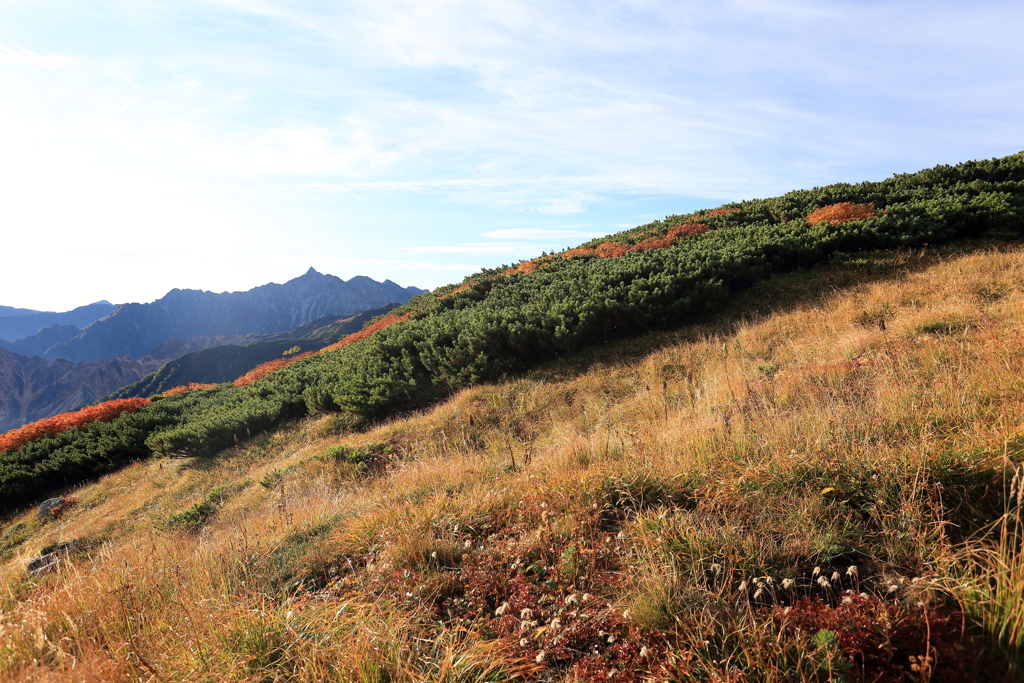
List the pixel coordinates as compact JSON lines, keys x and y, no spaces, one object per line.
{"x":866,"y":414}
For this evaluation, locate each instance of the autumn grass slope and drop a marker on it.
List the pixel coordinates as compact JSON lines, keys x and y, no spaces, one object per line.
{"x":819,"y":483}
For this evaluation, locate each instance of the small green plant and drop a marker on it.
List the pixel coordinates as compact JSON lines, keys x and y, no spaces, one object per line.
{"x":362,"y":459}
{"x":196,"y":516}
{"x":292,"y":351}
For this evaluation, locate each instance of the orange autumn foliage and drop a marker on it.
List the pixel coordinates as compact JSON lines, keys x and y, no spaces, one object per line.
{"x":264,"y":369}
{"x":386,"y":321}
{"x":720,"y":212}
{"x":526,"y":267}
{"x":463,"y":288}
{"x":675,"y":233}
{"x":841,"y":213}
{"x":184,"y":388}
{"x":51,"y":426}
{"x":616,"y":250}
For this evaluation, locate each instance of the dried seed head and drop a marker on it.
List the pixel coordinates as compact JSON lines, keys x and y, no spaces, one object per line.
{"x":788,"y":584}
{"x":716,"y":569}
{"x":852,"y":570}
{"x":526,"y":614}
{"x":823,"y":582}
{"x":627,"y":614}
{"x":758,"y":593}
{"x":540,"y":657}
{"x":817,"y":570}
{"x":847,"y":600}
{"x":523,"y":642}
{"x":835,"y":577}
{"x":893,"y":588}
{"x":610,"y":639}
{"x":501,"y":610}
{"x":644,"y":652}
{"x":743,"y":587}
{"x":572,"y":599}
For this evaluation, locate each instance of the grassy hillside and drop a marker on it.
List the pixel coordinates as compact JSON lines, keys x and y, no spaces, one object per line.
{"x":818,"y":482}
{"x":500,"y":323}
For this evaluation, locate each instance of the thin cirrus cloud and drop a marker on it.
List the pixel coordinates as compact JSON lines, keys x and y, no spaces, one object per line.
{"x":18,"y":55}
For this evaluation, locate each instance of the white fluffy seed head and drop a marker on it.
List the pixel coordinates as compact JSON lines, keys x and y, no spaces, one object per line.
{"x":817,"y":570}
{"x":788,"y":584}
{"x":852,"y":571}
{"x":823,"y":582}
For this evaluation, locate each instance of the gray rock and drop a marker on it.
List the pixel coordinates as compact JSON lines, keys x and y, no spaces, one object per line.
{"x":47,"y":507}
{"x":45,"y":564}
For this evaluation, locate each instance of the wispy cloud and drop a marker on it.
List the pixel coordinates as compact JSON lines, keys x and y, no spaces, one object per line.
{"x":540,"y":234}
{"x":19,"y":55}
{"x":478,"y":248}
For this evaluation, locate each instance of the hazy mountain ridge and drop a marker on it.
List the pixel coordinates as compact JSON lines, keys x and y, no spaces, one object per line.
{"x":15,"y":325}
{"x":134,"y":329}
{"x":13,"y":310}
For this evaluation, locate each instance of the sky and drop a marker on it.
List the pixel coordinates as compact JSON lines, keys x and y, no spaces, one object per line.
{"x":224,"y":144}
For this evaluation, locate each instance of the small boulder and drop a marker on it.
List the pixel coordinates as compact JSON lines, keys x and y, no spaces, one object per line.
{"x":47,"y":507}
{"x":44,"y":564}
{"x":51,"y":559}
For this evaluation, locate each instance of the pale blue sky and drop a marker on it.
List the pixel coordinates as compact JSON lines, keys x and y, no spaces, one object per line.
{"x":224,"y":144}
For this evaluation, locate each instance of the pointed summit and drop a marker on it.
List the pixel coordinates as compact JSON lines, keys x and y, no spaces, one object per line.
{"x":311,"y":271}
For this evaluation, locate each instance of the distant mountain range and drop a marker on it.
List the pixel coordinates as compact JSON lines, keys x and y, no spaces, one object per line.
{"x":66,"y":360}
{"x":16,"y":323}
{"x":136,"y":329}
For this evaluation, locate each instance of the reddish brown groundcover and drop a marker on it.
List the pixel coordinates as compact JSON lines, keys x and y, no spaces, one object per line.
{"x":841,"y":213}
{"x":185,"y":388}
{"x":51,"y":426}
{"x":264,"y":369}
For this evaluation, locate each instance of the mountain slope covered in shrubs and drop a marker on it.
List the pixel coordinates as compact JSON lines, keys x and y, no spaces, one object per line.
{"x":504,"y":321}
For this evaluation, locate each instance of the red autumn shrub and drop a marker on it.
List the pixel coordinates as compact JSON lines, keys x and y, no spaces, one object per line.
{"x":841,"y":213}
{"x":526,"y":267}
{"x":185,"y":388}
{"x":264,"y":369}
{"x":347,"y":340}
{"x":51,"y":426}
{"x":611,"y":250}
